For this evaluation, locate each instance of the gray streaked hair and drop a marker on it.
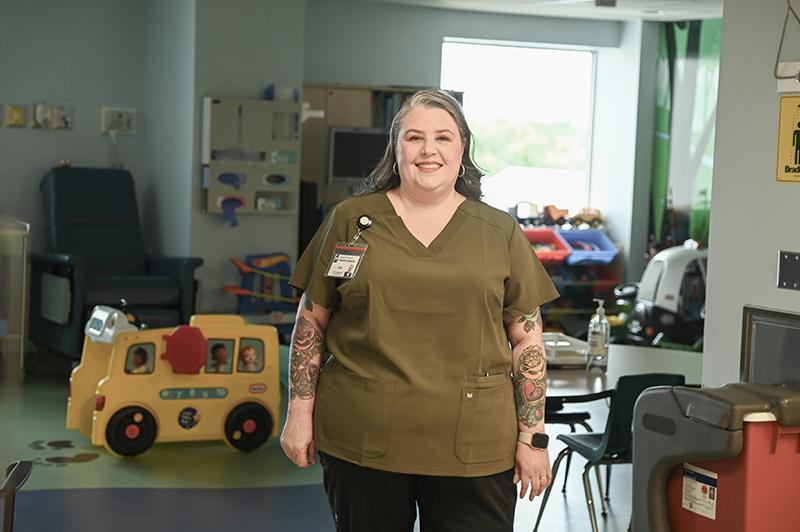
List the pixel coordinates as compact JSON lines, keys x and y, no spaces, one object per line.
{"x":383,"y":178}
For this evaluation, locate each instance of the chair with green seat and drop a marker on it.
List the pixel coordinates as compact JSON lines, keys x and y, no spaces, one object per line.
{"x":615,"y":444}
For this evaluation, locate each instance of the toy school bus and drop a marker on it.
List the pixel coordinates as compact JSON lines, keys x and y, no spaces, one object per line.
{"x":216,"y":378}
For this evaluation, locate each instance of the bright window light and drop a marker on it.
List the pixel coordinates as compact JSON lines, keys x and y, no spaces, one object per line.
{"x":530,"y":110}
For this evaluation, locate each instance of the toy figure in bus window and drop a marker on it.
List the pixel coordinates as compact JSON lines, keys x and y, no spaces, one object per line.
{"x":139,"y":360}
{"x":219,"y":360}
{"x":251,"y":356}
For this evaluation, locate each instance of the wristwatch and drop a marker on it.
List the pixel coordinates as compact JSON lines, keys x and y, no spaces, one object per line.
{"x":537,"y":440}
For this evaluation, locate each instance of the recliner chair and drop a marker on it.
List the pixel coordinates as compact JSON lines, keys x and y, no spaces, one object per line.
{"x":95,"y":256}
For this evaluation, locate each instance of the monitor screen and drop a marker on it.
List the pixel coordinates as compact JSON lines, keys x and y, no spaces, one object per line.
{"x":769,"y":346}
{"x":353,"y":153}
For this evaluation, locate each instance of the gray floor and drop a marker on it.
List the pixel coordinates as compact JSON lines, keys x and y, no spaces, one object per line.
{"x":295,"y":501}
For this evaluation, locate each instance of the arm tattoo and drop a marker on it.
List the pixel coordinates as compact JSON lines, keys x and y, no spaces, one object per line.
{"x":530,"y":382}
{"x":531,"y":320}
{"x":307,"y":303}
{"x":306,"y":354}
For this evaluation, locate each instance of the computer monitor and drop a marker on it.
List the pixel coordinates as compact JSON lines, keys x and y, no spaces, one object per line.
{"x":770,"y":340}
{"x":352,"y":154}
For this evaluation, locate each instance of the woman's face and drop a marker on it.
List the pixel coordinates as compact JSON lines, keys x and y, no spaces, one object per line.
{"x":429,"y":149}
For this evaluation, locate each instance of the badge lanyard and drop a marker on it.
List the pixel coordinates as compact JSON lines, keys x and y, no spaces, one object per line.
{"x":347,"y":256}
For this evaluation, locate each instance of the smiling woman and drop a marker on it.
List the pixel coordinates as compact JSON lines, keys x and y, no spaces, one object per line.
{"x":407,"y":390}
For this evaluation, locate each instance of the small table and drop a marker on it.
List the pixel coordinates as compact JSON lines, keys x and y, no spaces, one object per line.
{"x":623,"y":360}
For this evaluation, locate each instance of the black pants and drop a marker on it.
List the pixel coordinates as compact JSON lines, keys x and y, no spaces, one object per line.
{"x":370,"y":500}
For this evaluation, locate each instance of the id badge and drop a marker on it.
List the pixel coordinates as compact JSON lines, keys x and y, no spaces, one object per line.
{"x":346,"y":260}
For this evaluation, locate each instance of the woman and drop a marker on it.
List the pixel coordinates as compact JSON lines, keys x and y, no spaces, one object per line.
{"x":415,"y":289}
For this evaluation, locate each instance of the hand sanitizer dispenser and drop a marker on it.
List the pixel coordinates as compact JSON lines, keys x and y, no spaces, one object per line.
{"x":598,"y":335}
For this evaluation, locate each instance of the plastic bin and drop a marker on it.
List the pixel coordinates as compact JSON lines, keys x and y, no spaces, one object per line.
{"x":757,"y":490}
{"x":545,"y":235}
{"x":717,"y":459}
{"x":603,"y":249}
{"x":13,"y":294}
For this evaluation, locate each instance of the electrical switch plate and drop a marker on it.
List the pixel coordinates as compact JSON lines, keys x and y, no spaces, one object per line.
{"x":15,"y":115}
{"x":118,"y":119}
{"x":789,"y":270}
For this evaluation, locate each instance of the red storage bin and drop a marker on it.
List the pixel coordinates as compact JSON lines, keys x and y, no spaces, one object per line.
{"x":757,"y":490}
{"x":545,"y":235}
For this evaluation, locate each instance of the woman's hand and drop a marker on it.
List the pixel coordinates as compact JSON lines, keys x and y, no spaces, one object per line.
{"x":297,"y":439}
{"x":532,"y":470}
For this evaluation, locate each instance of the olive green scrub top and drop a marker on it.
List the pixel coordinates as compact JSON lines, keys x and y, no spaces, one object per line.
{"x":419,"y":380}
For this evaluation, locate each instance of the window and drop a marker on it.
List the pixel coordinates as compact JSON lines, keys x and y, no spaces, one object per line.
{"x":530,"y":111}
{"x":140,"y":359}
{"x":251,"y":356}
{"x":219,"y":356}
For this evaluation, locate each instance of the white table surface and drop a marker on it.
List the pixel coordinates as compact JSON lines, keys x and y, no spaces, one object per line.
{"x":625,"y":360}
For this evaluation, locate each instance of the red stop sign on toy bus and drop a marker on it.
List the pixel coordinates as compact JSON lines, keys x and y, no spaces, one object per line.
{"x":186,"y":349}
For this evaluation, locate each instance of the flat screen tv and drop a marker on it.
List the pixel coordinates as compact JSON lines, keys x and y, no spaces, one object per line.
{"x":770,"y":345}
{"x":352,"y":154}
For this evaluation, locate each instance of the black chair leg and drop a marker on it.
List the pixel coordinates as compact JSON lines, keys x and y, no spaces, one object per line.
{"x":587,"y":488}
{"x":608,"y":481}
{"x":603,"y":498}
{"x":566,"y":472}
{"x":586,"y":426}
{"x":564,"y":452}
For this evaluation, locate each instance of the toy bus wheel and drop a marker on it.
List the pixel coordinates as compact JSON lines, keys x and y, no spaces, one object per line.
{"x":248,"y":426}
{"x":131,"y":431}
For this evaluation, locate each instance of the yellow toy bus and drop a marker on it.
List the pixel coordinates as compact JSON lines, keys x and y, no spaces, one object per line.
{"x":216,"y":378}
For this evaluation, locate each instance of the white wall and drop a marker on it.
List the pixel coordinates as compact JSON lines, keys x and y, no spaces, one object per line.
{"x":87,"y":54}
{"x":241,"y":46}
{"x":752,"y":215}
{"x":169,"y":106}
{"x":614,"y":134}
{"x":373,"y":44}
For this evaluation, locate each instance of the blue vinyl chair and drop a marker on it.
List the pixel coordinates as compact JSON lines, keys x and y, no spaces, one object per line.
{"x":96,"y":256}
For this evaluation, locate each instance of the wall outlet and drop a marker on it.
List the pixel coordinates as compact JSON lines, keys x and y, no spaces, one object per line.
{"x":118,"y":119}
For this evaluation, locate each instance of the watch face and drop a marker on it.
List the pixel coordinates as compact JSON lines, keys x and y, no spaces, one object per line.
{"x":540,"y":440}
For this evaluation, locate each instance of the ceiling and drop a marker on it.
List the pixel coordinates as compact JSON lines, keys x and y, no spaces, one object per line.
{"x":653,"y":10}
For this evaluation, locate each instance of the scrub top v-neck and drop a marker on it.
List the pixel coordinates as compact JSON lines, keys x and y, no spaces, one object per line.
{"x":419,"y":375}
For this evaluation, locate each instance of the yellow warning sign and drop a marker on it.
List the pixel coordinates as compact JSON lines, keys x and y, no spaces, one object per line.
{"x":789,"y":140}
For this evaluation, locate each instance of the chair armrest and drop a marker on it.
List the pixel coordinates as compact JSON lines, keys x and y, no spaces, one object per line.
{"x":16,"y":475}
{"x":56,"y":259}
{"x":588,"y":398}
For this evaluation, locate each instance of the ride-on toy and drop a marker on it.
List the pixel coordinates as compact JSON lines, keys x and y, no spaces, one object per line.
{"x":216,"y":378}
{"x":670,"y":300}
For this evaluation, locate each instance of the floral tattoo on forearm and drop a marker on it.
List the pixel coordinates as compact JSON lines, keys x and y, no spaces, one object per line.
{"x":306,"y":354}
{"x":531,"y":320}
{"x":530,"y":383}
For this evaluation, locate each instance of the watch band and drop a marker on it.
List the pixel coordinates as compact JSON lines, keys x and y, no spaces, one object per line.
{"x":537,"y":440}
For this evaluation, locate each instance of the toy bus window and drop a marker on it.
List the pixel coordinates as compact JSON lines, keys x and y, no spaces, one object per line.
{"x":219,"y":358}
{"x":251,"y":356}
{"x":140,"y":359}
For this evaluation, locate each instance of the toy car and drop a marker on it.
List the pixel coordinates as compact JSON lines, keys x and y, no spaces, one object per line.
{"x":216,"y":378}
{"x":670,"y":301}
